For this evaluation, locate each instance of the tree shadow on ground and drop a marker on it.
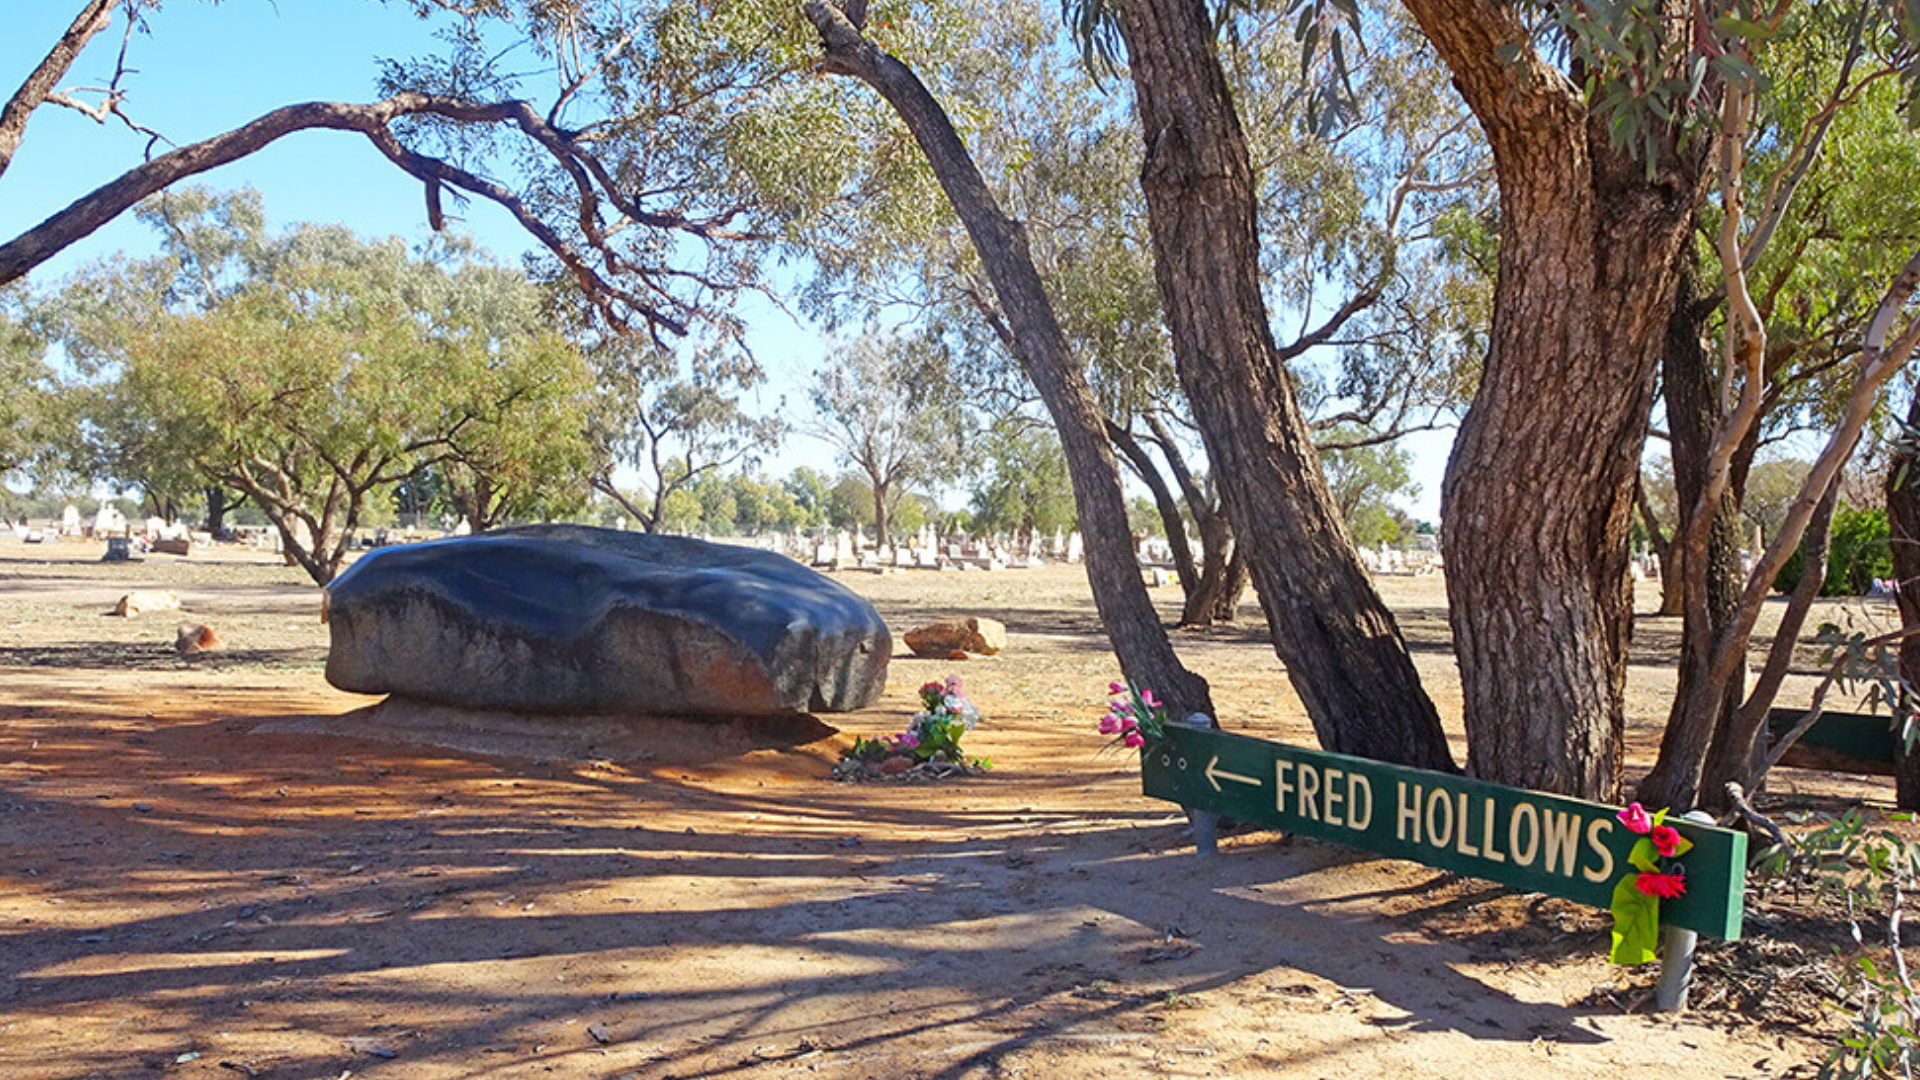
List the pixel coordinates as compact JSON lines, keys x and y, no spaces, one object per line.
{"x":266,"y":887}
{"x":141,"y":656}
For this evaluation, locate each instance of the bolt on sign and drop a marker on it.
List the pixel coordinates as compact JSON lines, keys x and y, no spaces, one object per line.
{"x":1528,"y":839}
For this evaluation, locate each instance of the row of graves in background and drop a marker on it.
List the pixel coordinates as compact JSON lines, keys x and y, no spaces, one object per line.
{"x":128,"y":538}
{"x":927,"y":550}
{"x":123,"y":536}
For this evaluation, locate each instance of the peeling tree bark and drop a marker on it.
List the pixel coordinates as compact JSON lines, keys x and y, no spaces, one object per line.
{"x":1139,"y":640}
{"x":1539,"y":492}
{"x":1343,"y":651}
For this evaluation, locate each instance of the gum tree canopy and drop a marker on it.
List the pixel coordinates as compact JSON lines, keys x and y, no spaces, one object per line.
{"x":613,"y":163}
{"x":324,"y":370}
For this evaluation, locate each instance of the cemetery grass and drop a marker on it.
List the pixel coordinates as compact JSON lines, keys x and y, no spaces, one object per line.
{"x":216,"y":868}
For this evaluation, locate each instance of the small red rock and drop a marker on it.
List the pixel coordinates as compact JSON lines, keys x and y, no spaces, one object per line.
{"x":194,"y":638}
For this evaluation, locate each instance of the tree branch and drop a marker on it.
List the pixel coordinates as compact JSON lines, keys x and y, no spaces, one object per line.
{"x":40,"y":82}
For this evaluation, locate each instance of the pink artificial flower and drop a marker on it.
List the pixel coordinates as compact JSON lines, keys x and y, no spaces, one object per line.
{"x":1109,"y":725}
{"x":1128,"y":723}
{"x":1134,"y":740}
{"x":1635,"y":818}
{"x":1120,"y":707}
{"x":910,"y":740}
{"x":1115,"y":688}
{"x":1147,"y":696}
{"x":953,"y":684}
{"x":1664,"y":886}
{"x":1666,"y":840}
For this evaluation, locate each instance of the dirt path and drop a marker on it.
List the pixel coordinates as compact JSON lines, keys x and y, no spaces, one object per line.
{"x":202,"y":876}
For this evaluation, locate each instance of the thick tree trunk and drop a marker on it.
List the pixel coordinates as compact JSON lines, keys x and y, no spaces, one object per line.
{"x":217,"y":506}
{"x":1343,"y":651}
{"x":1693,"y":412}
{"x":1903,"y":519}
{"x":880,"y":538}
{"x":1218,"y":555}
{"x":1539,"y":491}
{"x":1139,"y":640}
{"x":1226,"y":607}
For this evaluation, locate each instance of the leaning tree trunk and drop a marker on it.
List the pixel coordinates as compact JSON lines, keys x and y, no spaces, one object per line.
{"x":1222,"y":578}
{"x":1693,"y":412}
{"x":1903,"y":520}
{"x":1119,"y":593}
{"x":1539,"y":491}
{"x":1163,"y":504}
{"x":1343,"y":651}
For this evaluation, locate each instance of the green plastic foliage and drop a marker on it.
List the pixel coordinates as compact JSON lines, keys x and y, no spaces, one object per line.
{"x":1636,"y":924}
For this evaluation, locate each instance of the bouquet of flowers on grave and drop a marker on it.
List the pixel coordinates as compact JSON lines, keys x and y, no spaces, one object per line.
{"x":934,"y":733}
{"x":1657,"y":875}
{"x":1134,"y":717}
{"x":945,"y":716}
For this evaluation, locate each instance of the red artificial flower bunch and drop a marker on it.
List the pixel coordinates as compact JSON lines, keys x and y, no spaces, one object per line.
{"x":1657,"y":876}
{"x":1666,"y":840}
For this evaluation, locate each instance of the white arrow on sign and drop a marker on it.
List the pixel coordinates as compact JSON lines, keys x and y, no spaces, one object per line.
{"x":1214,"y":774}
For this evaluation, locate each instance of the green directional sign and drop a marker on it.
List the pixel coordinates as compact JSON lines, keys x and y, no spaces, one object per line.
{"x":1531,"y":840}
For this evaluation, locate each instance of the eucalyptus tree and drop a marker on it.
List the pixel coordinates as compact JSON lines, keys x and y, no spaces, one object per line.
{"x":25,"y":394}
{"x":1840,"y":64}
{"x":1344,"y":653}
{"x":1539,"y":488}
{"x":673,"y":417}
{"x":1339,"y":218}
{"x":649,"y":149}
{"x":1021,"y":487}
{"x":1140,"y":642}
{"x":327,"y":370}
{"x":520,"y":450}
{"x":885,"y":404}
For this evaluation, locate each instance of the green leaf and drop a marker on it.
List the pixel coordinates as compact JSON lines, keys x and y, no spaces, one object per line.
{"x":1636,"y":924}
{"x":1731,"y":26}
{"x":1645,"y":856}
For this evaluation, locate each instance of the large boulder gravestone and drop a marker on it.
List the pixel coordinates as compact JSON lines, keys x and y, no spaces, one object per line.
{"x":570,"y":619}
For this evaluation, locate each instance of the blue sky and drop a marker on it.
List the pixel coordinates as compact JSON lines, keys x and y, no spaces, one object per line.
{"x":205,"y":68}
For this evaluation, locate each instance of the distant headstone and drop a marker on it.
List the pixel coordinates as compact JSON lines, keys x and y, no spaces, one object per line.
{"x":119,"y":549}
{"x":108,"y":521}
{"x":571,"y":619}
